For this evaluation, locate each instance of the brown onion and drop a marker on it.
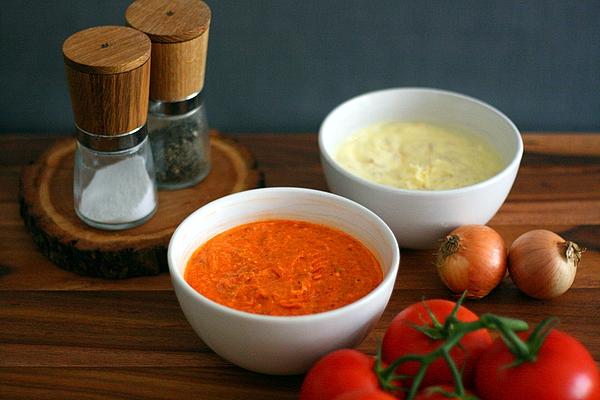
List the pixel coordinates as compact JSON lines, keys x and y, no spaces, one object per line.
{"x":542,"y":264}
{"x":472,"y":258}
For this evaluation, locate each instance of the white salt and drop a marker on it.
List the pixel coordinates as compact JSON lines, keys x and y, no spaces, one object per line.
{"x":119,"y":193}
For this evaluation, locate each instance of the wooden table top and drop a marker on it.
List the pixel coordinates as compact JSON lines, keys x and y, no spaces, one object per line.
{"x":66,"y":336}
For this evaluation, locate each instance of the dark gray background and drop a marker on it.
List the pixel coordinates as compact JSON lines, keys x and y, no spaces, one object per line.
{"x":282,"y":65}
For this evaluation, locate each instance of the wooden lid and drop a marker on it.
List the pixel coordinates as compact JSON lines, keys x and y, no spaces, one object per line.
{"x":179,"y":33}
{"x":106,"y":50}
{"x":108,"y":72}
{"x":170,"y":21}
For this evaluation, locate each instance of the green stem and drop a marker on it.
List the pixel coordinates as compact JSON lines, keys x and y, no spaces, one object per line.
{"x":460,"y":389}
{"x":511,"y":323}
{"x":517,"y":346}
{"x":419,"y":377}
{"x":462,"y":328}
{"x":450,"y":334}
{"x":537,"y":337}
{"x":455,"y":330}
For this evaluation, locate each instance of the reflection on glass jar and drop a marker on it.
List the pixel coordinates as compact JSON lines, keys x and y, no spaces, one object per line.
{"x":179,"y":138}
{"x":114,"y":189}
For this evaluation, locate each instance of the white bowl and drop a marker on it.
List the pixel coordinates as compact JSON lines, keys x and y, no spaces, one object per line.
{"x":279,"y":344}
{"x":419,"y":218}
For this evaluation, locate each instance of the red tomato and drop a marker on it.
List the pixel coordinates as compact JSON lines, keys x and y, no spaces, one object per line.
{"x":339,"y":372}
{"x":431,"y":394}
{"x":563,"y":370}
{"x":376,"y":394}
{"x":401,"y":338}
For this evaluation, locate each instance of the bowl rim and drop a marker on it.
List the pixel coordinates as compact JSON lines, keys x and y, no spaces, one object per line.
{"x":286,"y":319}
{"x":514,"y":162}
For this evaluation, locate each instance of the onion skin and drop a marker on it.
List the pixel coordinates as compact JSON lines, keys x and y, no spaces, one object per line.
{"x":542,"y":264}
{"x":472,"y":258}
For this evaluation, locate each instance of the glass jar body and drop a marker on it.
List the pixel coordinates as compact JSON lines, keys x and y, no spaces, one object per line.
{"x":180,"y":145}
{"x":114,"y":189}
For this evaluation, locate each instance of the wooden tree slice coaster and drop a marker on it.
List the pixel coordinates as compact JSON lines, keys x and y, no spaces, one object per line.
{"x":46,"y":199}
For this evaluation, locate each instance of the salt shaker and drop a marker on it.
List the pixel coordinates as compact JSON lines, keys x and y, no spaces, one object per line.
{"x":177,"y":124}
{"x":108,"y":71}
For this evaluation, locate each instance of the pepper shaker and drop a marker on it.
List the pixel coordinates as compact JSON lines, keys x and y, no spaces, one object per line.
{"x":108,"y":71}
{"x":177,"y":124}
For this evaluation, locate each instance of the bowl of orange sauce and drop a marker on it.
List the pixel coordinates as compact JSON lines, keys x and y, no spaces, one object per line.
{"x":272,"y":279}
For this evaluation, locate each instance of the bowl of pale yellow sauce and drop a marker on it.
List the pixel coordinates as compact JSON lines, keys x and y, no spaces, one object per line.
{"x":425,"y":160}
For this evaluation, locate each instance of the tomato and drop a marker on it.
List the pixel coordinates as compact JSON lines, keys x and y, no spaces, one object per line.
{"x":431,"y":393}
{"x":401,"y":338}
{"x":339,"y":372}
{"x":376,"y":394}
{"x":562,"y":370}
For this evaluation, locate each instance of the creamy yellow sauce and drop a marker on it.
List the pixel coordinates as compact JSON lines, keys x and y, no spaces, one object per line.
{"x":417,"y":155}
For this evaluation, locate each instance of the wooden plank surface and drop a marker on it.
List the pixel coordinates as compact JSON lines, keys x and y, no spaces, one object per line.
{"x":65,"y":336}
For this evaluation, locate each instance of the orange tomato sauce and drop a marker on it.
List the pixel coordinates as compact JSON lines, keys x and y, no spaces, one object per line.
{"x":283,"y":267}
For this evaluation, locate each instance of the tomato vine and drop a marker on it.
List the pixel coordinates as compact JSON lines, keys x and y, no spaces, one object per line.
{"x":451,"y":332}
